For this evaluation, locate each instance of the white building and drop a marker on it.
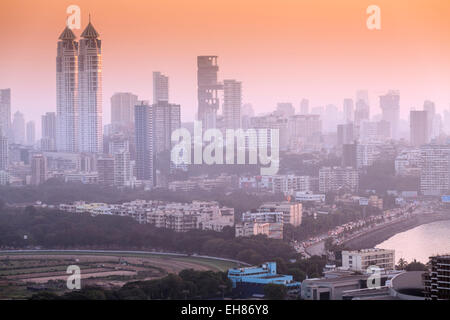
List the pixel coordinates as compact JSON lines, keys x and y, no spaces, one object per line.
{"x":90,"y":129}
{"x":309,"y":197}
{"x":336,"y":178}
{"x":408,"y":162}
{"x":435,"y":169}
{"x":292,"y":212}
{"x":361,"y":260}
{"x":67,"y":92}
{"x":232,"y":103}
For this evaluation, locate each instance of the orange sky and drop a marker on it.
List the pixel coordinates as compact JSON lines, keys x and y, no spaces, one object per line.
{"x":282,"y":50}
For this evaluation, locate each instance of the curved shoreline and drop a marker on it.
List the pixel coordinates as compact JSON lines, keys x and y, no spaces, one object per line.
{"x":375,"y":237}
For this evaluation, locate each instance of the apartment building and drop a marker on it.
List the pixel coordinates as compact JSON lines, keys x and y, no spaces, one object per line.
{"x":437,"y":281}
{"x":292,"y":212}
{"x":180,"y":217}
{"x":336,"y":178}
{"x":360,"y":260}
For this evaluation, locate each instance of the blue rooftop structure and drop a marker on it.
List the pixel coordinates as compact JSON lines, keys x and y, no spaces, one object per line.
{"x":251,"y":280}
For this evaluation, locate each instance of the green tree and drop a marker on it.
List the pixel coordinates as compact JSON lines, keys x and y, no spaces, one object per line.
{"x":401,"y":264}
{"x":275,"y":291}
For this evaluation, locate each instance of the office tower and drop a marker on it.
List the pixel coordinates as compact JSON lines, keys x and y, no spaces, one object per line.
{"x":247,"y":110}
{"x":363,"y":95}
{"x":87,"y":162}
{"x":349,"y":155}
{"x":145,"y":169}
{"x":368,"y":131}
{"x":430,"y":108}
{"x":304,"y":106}
{"x":3,"y":153}
{"x":345,"y":134}
{"x":390,"y":106}
{"x":5,"y":112}
{"x":122,"y":109}
{"x":122,"y":168}
{"x":366,"y":154}
{"x":348,"y":110}
{"x":38,"y":169}
{"x":435,"y":169}
{"x":105,"y":169}
{"x":31,"y":133}
{"x":272,"y":122}
{"x":418,"y":121}
{"x":18,"y":128}
{"x":160,"y":87}
{"x":208,"y":88}
{"x":361,"y":112}
{"x":331,"y":118}
{"x":338,"y":178}
{"x":166,"y":118}
{"x":362,"y":107}
{"x":232,"y":103}
{"x":436,"y":282}
{"x":305,"y":126}
{"x":285,"y":109}
{"x":48,"y":126}
{"x":67,"y":92}
{"x":90,"y":136}
{"x":318,"y":110}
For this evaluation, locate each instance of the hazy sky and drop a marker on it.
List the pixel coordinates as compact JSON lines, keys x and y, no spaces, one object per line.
{"x":282,"y":50}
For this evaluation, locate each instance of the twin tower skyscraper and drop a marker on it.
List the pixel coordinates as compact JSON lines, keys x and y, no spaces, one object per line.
{"x":79,"y":92}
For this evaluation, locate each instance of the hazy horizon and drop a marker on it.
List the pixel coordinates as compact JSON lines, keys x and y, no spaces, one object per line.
{"x":282,"y":51}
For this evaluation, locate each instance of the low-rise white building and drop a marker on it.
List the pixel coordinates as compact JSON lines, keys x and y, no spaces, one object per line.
{"x":361,"y":260}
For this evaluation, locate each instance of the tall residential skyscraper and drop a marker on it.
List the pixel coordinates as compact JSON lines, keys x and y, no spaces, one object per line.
{"x":3,"y":153}
{"x":18,"y":128}
{"x":90,"y":129}
{"x":105,"y":169}
{"x":38,"y":169}
{"x":348,"y":110}
{"x":390,"y":106}
{"x":345,"y":134}
{"x":435,"y":169}
{"x":362,"y":107}
{"x":430,"y":108}
{"x":67,"y":92}
{"x":122,"y":168}
{"x":207,"y":90}
{"x":285,"y":109}
{"x":304,"y":106}
{"x":418,"y":124}
{"x":48,"y":124}
{"x":31,"y":133}
{"x":166,"y":117}
{"x":232,"y":103}
{"x":5,"y":112}
{"x":145,"y":170}
{"x":160,"y":87}
{"x":122,"y":108}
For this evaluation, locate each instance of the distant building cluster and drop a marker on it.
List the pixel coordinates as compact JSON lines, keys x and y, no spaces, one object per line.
{"x":179,"y":217}
{"x":336,"y":144}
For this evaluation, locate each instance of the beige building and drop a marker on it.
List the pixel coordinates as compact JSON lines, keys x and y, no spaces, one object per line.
{"x":292,"y":212}
{"x":361,"y":260}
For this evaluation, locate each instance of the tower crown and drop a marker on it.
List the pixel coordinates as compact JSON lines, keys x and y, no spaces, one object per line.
{"x":90,"y":32}
{"x":67,"y":34}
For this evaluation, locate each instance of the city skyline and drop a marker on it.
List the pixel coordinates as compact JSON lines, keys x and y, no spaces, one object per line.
{"x":418,"y":72}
